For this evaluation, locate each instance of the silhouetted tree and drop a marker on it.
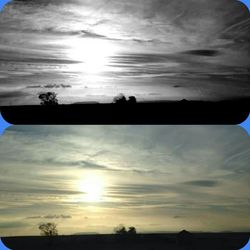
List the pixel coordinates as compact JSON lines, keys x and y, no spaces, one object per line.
{"x":131,"y":230}
{"x":48,"y":229}
{"x":120,"y":99}
{"x":132,"y":100}
{"x":48,"y":98}
{"x":120,"y":230}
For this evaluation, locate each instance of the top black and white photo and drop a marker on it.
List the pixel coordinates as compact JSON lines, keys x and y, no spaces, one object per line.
{"x":106,"y":51}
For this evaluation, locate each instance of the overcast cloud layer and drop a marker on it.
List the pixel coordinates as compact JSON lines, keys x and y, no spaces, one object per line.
{"x":157,"y":178}
{"x":154,"y":49}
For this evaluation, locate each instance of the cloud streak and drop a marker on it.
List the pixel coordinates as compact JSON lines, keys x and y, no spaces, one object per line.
{"x":62,"y":216}
{"x":49,"y":86}
{"x":146,"y":175}
{"x":151,"y":47}
{"x":202,"y":183}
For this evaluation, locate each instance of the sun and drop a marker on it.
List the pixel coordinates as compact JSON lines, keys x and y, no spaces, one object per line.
{"x":92,"y":53}
{"x":92,"y":185}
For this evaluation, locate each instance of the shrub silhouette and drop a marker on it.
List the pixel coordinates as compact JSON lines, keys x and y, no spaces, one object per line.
{"x":121,"y":99}
{"x":132,"y":100}
{"x":48,"y":98}
{"x":122,"y":230}
{"x":48,"y":229}
{"x":131,"y":230}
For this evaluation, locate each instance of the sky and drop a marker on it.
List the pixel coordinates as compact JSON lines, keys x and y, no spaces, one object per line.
{"x":93,"y":50}
{"x":93,"y":178}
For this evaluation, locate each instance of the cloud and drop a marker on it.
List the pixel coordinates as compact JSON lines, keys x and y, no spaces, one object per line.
{"x":35,"y":87}
{"x":21,"y":188}
{"x":204,"y":52}
{"x":99,"y":153}
{"x":55,"y":216}
{"x":49,"y":86}
{"x":13,"y":224}
{"x":177,"y":217}
{"x":135,"y":189}
{"x":92,"y":165}
{"x":11,"y":94}
{"x":26,"y":1}
{"x":26,"y":58}
{"x":34,"y":217}
{"x":202,"y":183}
{"x":141,"y":58}
{"x":89,"y":34}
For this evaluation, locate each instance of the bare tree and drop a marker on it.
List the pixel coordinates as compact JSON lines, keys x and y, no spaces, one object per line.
{"x":48,"y":229}
{"x":48,"y":98}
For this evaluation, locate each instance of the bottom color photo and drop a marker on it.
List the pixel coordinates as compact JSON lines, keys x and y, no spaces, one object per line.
{"x":125,"y":187}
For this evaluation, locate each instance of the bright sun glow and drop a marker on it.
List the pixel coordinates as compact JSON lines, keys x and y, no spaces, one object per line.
{"x":92,"y":186}
{"x":93,"y":53}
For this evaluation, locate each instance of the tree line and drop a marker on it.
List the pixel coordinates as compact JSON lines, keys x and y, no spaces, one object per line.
{"x":50,"y":99}
{"x":50,"y":229}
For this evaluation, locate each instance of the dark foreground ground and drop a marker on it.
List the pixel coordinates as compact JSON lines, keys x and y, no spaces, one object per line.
{"x":222,"y":241}
{"x":182,"y":112}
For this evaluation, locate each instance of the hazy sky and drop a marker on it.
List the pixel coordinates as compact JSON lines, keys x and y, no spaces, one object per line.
{"x":92,"y":50}
{"x":156,"y":178}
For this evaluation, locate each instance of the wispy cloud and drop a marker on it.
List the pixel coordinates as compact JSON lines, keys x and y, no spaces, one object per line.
{"x":62,"y":216}
{"x":202,"y":52}
{"x":156,"y":45}
{"x":49,"y":86}
{"x":202,"y":183}
{"x":92,"y":165}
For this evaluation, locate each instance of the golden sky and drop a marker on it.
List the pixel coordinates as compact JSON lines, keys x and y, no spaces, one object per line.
{"x":93,"y":178}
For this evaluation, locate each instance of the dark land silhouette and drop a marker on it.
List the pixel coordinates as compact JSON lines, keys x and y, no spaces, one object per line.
{"x":167,"y":241}
{"x":131,"y":112}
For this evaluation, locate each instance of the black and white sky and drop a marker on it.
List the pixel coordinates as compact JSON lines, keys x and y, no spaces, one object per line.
{"x":92,"y":50}
{"x":156,"y":178}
